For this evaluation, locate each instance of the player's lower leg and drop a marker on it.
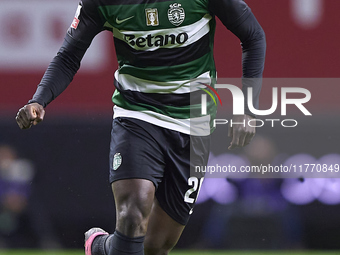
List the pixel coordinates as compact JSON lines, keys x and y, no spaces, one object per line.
{"x":133,"y":198}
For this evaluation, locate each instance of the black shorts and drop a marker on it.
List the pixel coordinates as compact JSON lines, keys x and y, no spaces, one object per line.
{"x":141,"y":150}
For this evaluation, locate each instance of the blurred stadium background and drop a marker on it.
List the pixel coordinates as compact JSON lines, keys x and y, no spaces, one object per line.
{"x":57,"y":187}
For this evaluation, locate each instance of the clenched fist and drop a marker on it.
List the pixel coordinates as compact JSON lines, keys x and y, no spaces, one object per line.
{"x":29,"y":115}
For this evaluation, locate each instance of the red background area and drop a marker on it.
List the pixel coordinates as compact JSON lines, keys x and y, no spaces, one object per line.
{"x":291,"y":52}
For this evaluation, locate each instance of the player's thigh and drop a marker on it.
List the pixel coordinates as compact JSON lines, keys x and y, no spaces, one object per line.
{"x":136,"y":168}
{"x":134,"y":151}
{"x":178,"y":191}
{"x":163,"y":232}
{"x":176,"y":195}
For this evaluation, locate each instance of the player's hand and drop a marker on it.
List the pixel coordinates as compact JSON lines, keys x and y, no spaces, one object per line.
{"x":241,"y":134}
{"x":29,"y":115}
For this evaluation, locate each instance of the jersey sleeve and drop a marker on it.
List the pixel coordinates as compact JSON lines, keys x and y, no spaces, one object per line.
{"x":239,"y":19}
{"x":86,"y":24}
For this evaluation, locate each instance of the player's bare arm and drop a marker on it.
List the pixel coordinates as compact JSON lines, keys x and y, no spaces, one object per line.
{"x":31,"y":114}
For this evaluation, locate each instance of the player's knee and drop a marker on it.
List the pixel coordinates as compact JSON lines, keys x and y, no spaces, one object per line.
{"x":132,"y":222}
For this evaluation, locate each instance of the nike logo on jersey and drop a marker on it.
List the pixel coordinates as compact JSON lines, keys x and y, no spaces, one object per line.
{"x":123,"y":20}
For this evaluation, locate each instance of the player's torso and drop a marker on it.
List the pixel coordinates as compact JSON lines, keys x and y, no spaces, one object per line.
{"x":164,"y":50}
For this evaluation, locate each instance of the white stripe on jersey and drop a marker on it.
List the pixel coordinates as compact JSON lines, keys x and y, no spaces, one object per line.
{"x":129,"y":82}
{"x":199,"y":126}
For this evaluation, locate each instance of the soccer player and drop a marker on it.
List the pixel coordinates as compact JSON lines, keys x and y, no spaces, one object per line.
{"x":165,"y":54}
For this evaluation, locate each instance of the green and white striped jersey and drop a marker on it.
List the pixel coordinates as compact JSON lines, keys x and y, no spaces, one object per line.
{"x":165,"y":55}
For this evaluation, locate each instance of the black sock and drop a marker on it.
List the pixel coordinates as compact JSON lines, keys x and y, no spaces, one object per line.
{"x":120,"y":244}
{"x":100,"y":245}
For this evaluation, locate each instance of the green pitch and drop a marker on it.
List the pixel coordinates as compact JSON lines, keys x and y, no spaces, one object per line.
{"x":79,"y":252}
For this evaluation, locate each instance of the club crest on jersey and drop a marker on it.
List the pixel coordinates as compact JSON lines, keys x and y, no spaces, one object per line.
{"x":151,"y":17}
{"x":176,"y":14}
{"x":117,"y":161}
{"x":76,"y":20}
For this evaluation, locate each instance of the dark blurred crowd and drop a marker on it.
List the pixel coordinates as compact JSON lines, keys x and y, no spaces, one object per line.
{"x":23,"y":222}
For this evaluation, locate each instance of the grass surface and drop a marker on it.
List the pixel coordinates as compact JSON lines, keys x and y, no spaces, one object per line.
{"x":177,"y":252}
